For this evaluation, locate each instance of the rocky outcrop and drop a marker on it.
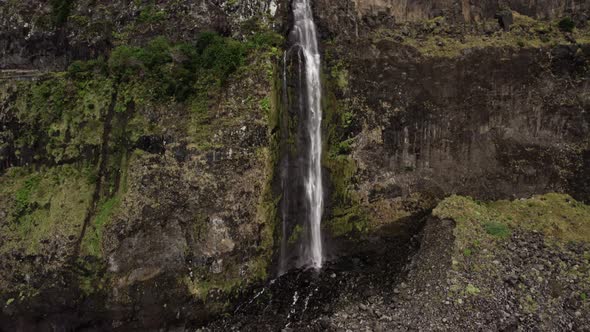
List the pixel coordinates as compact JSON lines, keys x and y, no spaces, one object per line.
{"x":49,"y":35}
{"x":424,"y":110}
{"x":499,"y":265}
{"x":467,"y":274}
{"x":491,"y":123}
{"x":374,"y":11}
{"x":138,"y":186}
{"x":139,"y":189}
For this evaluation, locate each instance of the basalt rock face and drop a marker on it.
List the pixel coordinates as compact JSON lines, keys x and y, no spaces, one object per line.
{"x":494,"y":123}
{"x":428,"y":109}
{"x":137,"y":184}
{"x":374,"y":11}
{"x":48,"y":35}
{"x":160,"y":233}
{"x":137,"y":196}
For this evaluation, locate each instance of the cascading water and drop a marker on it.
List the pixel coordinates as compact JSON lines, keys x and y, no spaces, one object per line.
{"x":306,"y":31}
{"x":303,"y":199}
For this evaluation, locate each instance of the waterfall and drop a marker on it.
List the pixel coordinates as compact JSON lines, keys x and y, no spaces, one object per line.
{"x":306,"y":37}
{"x":306,"y":166}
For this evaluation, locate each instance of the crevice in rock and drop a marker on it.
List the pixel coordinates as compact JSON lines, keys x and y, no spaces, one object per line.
{"x":102,"y":173}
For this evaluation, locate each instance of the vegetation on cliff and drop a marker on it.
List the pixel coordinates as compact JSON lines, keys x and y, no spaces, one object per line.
{"x":440,"y":38}
{"x":145,"y":178}
{"x":558,"y":216}
{"x":75,"y":130}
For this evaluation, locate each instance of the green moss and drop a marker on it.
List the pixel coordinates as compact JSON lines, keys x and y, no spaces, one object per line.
{"x":348,"y":217}
{"x":56,"y":207}
{"x":472,"y":290}
{"x":295,"y":234}
{"x":23,"y":205}
{"x":60,"y":118}
{"x":556,"y":215}
{"x":340,"y":76}
{"x":348,"y":221}
{"x":497,"y":229}
{"x":525,"y":32}
{"x":267,"y":214}
{"x":92,"y":242}
{"x":265,"y":104}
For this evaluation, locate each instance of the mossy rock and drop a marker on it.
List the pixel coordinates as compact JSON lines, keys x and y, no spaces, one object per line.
{"x":558,"y":216}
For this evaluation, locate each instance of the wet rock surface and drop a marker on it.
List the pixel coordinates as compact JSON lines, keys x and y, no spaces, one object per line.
{"x":311,"y":300}
{"x":528,"y":283}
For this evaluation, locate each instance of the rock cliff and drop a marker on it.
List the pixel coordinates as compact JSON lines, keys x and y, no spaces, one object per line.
{"x":421,"y":110}
{"x":137,"y":158}
{"x":140,"y":148}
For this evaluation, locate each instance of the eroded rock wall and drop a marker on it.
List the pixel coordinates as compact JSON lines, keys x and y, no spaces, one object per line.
{"x":421,"y":110}
{"x":371,"y":11}
{"x":48,"y":35}
{"x":136,"y":185}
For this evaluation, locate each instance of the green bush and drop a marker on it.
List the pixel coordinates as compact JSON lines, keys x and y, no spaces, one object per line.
{"x":267,"y":39}
{"x":220,"y":56}
{"x":151,"y":15}
{"x":83,"y":70}
{"x":566,"y":24}
{"x":60,"y":11}
{"x":173,"y":70}
{"x":162,"y":70}
{"x":125,"y":61}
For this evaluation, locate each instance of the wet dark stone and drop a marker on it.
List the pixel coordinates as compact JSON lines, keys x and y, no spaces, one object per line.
{"x":505,"y":19}
{"x":153,"y":144}
{"x":303,"y":299}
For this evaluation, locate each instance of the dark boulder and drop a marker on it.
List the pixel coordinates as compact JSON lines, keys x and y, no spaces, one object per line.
{"x":153,"y":144}
{"x":505,"y":19}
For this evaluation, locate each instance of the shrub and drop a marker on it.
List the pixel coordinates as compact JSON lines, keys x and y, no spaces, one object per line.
{"x":267,"y":39}
{"x":125,"y":61}
{"x":151,"y":15}
{"x":84,"y":69}
{"x":60,"y":10}
{"x":172,"y":71}
{"x":566,"y":25}
{"x":220,"y":56}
